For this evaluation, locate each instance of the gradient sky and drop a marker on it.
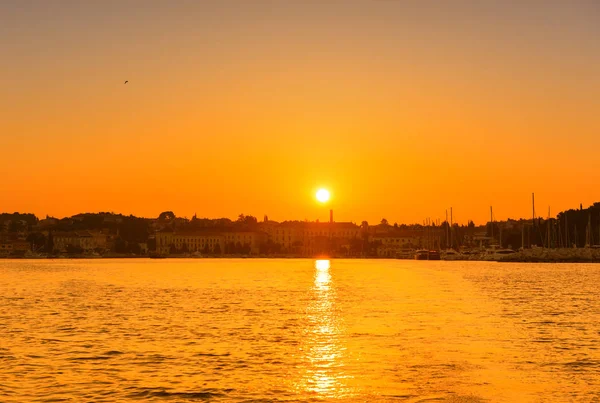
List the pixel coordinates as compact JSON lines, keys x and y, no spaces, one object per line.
{"x":401,"y":108}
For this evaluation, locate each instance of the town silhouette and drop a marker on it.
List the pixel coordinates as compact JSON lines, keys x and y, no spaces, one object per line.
{"x":115,"y":235}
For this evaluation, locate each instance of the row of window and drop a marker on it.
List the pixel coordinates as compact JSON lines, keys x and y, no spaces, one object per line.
{"x":323,"y":233}
{"x":210,"y":241}
{"x":334,"y":233}
{"x":161,"y":240}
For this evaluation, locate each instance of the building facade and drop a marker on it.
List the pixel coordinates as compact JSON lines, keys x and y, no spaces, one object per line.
{"x":246,"y":242}
{"x":85,"y":240}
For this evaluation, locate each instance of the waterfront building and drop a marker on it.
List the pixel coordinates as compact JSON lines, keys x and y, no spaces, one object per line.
{"x":87,"y":241}
{"x":218,"y":242}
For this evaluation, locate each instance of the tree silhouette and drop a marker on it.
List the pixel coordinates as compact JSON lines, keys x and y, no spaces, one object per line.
{"x":166,"y":216}
{"x":121,"y":246}
{"x":50,"y":243}
{"x":15,"y":226}
{"x":134,"y":247}
{"x":36,"y":240}
{"x":246,"y":221}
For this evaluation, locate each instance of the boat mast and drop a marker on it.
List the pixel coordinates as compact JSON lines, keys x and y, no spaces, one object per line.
{"x":533,"y":211}
{"x":451,"y":224}
{"x":431,"y":240}
{"x":500,"y":234}
{"x":447,"y":231}
{"x":587,"y":234}
{"x":439,"y":237}
{"x":426,"y":233}
{"x":589,"y":231}
{"x":566,"y":231}
{"x":492,"y":223}
{"x":548,"y":228}
{"x":429,"y":237}
{"x":558,"y":234}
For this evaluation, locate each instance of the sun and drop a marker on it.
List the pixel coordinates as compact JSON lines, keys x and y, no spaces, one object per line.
{"x":323,"y":195}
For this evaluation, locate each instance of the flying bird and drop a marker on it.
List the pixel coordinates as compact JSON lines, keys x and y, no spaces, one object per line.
{"x":126,"y":81}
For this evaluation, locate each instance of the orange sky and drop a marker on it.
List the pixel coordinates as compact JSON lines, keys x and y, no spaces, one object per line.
{"x":401,"y":109}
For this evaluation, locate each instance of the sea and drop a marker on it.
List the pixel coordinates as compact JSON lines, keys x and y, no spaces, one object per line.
{"x":298,"y":330}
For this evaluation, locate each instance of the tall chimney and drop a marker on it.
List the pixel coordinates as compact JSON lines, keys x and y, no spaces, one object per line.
{"x":331,"y":216}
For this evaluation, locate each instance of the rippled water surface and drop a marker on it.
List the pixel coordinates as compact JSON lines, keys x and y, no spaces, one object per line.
{"x":298,"y":330}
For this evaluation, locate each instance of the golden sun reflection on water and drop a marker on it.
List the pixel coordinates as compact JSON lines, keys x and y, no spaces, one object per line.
{"x":323,"y":349}
{"x":322,"y":265}
{"x":322,"y":276}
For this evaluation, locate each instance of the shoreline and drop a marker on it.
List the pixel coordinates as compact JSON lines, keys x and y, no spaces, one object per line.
{"x":528,"y":256}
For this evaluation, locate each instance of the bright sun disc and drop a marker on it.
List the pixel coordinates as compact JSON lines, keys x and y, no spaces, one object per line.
{"x":322,"y":195}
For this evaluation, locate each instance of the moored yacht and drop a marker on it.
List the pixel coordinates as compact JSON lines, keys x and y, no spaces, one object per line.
{"x":451,"y":254}
{"x":422,"y":254}
{"x":405,"y":254}
{"x":425,"y":254}
{"x":496,"y":253}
